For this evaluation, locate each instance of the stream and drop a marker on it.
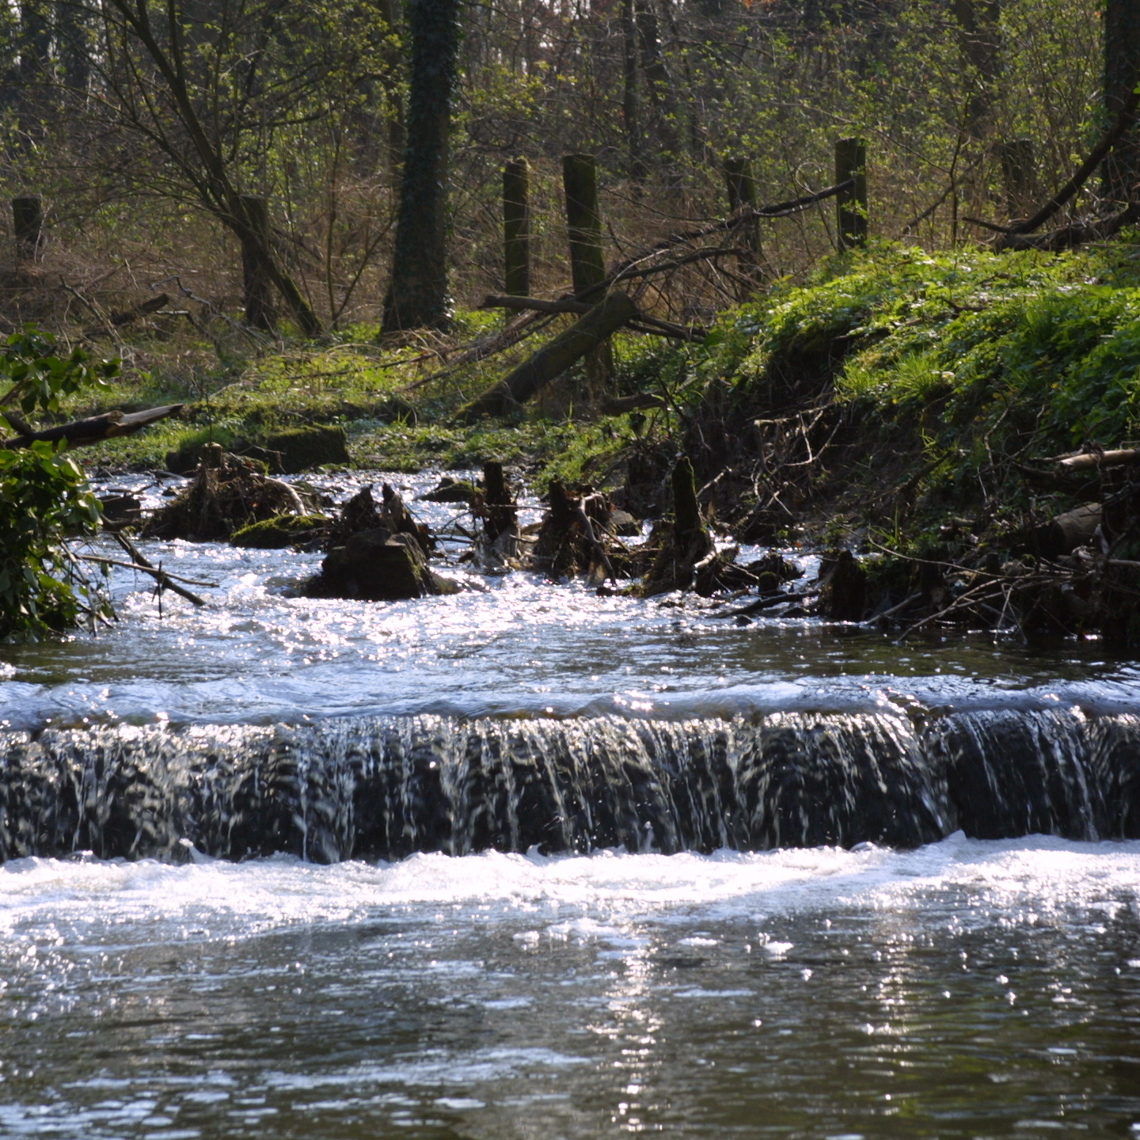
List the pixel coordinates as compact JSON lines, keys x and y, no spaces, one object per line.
{"x":528,"y":862}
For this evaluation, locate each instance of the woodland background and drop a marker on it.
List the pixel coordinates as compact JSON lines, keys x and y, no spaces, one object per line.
{"x":307,"y":105}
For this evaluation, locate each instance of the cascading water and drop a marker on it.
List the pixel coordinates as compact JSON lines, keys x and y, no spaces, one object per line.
{"x":430,"y":981}
{"x":384,"y":788}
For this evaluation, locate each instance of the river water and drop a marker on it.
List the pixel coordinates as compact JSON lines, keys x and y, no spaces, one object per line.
{"x":967,"y":988}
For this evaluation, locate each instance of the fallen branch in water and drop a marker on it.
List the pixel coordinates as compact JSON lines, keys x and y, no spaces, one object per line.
{"x":103,"y":560}
{"x":164,"y":580}
{"x":765,"y":604}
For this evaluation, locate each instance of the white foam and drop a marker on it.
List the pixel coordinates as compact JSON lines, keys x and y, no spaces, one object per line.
{"x":578,"y":898}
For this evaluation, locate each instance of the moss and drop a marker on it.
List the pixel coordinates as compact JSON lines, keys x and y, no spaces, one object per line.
{"x":298,"y":449}
{"x":280,"y":531}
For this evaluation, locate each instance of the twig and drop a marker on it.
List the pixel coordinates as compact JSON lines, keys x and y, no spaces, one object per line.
{"x":164,"y":580}
{"x":139,"y":566}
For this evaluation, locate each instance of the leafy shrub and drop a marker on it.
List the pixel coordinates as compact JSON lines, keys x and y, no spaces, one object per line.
{"x":43,"y":497}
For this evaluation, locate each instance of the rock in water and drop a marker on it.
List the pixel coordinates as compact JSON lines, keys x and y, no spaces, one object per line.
{"x":377,"y":566}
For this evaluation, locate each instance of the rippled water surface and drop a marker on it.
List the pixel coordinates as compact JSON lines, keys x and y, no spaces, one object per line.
{"x":965,"y":989}
{"x":512,"y":644}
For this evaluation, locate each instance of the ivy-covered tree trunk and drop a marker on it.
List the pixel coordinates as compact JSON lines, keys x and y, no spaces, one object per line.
{"x":1121,"y":74}
{"x":417,"y":292}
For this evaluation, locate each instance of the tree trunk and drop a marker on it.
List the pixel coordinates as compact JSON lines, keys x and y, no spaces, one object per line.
{"x":393,"y":57}
{"x":73,"y":46}
{"x":27,"y":226}
{"x":33,"y":48}
{"x":1018,"y":168}
{"x":1121,"y":169}
{"x":851,"y":204}
{"x":257,"y":283}
{"x":631,"y":99}
{"x":741,"y":188}
{"x":979,"y":37}
{"x":658,"y":82}
{"x":417,"y":293}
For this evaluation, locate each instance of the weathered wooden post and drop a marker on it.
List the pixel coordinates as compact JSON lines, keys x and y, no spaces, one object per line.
{"x":584,"y":221}
{"x":741,"y":187}
{"x":516,"y":227}
{"x":1018,"y":176}
{"x":258,"y":288}
{"x":587,"y":258}
{"x":851,"y":204}
{"x":28,"y":226}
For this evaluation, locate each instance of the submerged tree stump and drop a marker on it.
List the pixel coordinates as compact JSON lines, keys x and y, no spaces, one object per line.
{"x":684,"y":546}
{"x":227,"y":493}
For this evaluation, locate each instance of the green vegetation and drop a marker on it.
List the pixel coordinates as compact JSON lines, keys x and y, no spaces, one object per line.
{"x":947,"y":373}
{"x":43,"y":497}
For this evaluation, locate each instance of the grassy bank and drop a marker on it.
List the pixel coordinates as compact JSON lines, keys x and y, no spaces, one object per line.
{"x":895,"y":389}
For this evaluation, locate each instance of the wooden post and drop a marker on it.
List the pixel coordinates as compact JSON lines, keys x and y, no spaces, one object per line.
{"x":1017,"y":169}
{"x":258,"y":287}
{"x":851,"y":204}
{"x":587,"y":261}
{"x":516,"y":227}
{"x":741,"y":187}
{"x":500,"y":508}
{"x":28,"y":226}
{"x":587,"y":258}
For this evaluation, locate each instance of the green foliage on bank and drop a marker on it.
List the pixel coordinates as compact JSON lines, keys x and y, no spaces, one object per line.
{"x":989,"y":361}
{"x":44,"y":497}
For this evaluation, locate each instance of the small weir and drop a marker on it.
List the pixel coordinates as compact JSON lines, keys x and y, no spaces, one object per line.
{"x":384,"y":788}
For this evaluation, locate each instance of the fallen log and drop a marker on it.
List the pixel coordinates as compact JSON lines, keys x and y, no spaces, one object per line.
{"x":1078,"y":233}
{"x":535,"y":304}
{"x":642,"y":323}
{"x":553,"y":359}
{"x":1067,"y":531}
{"x":1009,"y":234}
{"x":92,"y":430}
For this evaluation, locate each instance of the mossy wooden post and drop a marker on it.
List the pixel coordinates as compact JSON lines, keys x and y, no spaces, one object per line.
{"x":587,"y":258}
{"x":1017,"y":169}
{"x":28,"y":226}
{"x":516,"y":227}
{"x":256,"y":283}
{"x":741,"y":187}
{"x":851,"y":204}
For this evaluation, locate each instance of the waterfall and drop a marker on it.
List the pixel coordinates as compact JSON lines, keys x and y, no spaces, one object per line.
{"x":382,"y":788}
